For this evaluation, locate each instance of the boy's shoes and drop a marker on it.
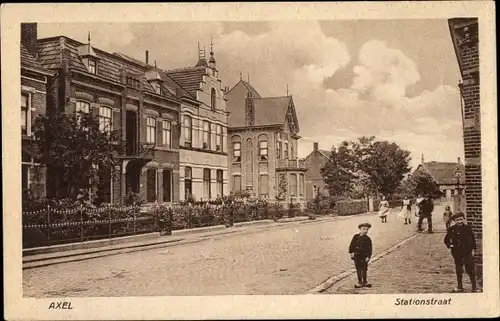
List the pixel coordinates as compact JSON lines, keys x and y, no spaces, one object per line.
{"x":476,"y":291}
{"x":368,"y":285}
{"x":457,"y":290}
{"x":358,"y":285}
{"x":430,"y":232}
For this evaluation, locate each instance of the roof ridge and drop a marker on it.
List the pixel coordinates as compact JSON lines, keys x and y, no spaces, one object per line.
{"x":184,"y":69}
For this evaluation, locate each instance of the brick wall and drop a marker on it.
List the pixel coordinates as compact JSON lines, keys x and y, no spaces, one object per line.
{"x":464,"y":32}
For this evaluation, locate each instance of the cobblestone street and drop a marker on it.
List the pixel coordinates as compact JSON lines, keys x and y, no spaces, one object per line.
{"x":279,"y":260}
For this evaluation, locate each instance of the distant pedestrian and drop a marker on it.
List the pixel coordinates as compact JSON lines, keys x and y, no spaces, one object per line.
{"x":460,"y":239}
{"x":417,"y":204}
{"x":361,"y":252}
{"x":406,"y":210}
{"x":447,"y":217}
{"x":383,"y":209}
{"x":425,"y":212}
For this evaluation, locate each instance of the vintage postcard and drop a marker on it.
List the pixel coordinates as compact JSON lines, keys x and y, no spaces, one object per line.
{"x":250,"y":160}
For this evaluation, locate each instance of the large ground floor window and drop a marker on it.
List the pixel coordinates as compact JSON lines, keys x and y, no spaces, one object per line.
{"x":167,"y":185}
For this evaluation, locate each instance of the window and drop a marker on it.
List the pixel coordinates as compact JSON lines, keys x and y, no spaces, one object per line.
{"x":293,"y":184}
{"x":25,"y":106}
{"x":285,"y":149}
{"x":188,"y":131}
{"x":81,"y":107}
{"x":301,"y":184}
{"x":133,"y":82}
{"x":220,"y":182}
{"x":167,"y":133}
{"x":206,"y":135}
{"x":291,"y":152}
{"x":188,"y":182}
{"x":236,"y":183}
{"x":263,"y":150}
{"x":167,"y":185}
{"x":150,"y":130}
{"x":237,"y":152}
{"x":92,"y":66}
{"x":213,"y":98}
{"x":206,"y":184}
{"x":278,"y":150}
{"x":218,"y":138}
{"x":158,"y":88}
{"x":151,"y":185}
{"x":264,"y":185}
{"x":105,"y":115}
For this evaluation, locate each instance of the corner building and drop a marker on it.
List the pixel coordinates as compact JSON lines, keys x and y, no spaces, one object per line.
{"x":203,"y":140}
{"x":263,"y":138}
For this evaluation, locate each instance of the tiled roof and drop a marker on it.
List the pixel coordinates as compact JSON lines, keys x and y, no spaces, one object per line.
{"x":28,"y":60}
{"x":268,"y":111}
{"x":444,"y":173}
{"x":251,"y":89}
{"x":188,"y":78}
{"x":110,"y":65}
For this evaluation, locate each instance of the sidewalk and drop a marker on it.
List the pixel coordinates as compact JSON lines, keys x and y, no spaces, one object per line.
{"x":80,"y":251}
{"x":421,"y":265}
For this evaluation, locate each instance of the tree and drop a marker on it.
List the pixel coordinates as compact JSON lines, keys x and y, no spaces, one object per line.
{"x":384,"y":162}
{"x":75,"y":151}
{"x":338,"y":171}
{"x":420,"y":183}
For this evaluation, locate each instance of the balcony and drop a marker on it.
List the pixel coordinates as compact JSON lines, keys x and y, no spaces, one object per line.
{"x":296,"y":164}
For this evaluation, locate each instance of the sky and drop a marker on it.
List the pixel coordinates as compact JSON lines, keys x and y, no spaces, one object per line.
{"x":392,"y":79}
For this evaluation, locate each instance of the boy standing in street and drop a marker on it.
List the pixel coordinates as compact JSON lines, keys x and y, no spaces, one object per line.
{"x":460,"y":239}
{"x":361,"y":252}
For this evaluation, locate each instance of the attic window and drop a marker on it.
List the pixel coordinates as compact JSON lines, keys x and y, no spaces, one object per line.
{"x":132,"y":82}
{"x":158,"y":88}
{"x":92,"y":66}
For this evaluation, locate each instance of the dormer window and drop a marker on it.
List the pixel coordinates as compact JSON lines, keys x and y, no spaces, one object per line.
{"x":158,"y":88}
{"x":92,"y":66}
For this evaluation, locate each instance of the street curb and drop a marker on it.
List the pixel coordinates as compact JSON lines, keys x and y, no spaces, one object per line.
{"x":322,"y":287}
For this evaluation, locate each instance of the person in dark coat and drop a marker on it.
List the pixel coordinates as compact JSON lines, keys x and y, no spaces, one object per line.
{"x":425,"y":212}
{"x":460,"y":239}
{"x":361,"y":252}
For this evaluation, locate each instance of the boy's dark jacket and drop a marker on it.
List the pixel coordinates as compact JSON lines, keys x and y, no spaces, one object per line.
{"x":461,"y":237}
{"x":361,"y":245}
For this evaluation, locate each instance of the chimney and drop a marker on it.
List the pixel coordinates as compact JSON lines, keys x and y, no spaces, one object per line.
{"x":249,"y":110}
{"x":29,"y":36}
{"x":147,"y":57}
{"x":315,"y":146}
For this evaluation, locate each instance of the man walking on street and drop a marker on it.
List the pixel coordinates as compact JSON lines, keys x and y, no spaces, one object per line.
{"x":425,"y":211}
{"x":460,"y":239}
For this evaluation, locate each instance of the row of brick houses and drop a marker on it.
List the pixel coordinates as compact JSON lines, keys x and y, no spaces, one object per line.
{"x":184,"y":116}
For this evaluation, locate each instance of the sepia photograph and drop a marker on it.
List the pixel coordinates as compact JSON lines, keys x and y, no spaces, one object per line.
{"x":332,"y":158}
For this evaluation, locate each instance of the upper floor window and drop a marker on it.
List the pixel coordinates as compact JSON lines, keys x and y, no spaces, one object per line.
{"x":188,"y":131}
{"x":278,"y":150}
{"x":158,"y":88}
{"x":150,"y":130}
{"x":167,"y":133}
{"x":263,"y":150}
{"x":25,"y":105}
{"x":206,"y":135}
{"x":92,"y":66}
{"x":285,"y":149}
{"x":213,"y":98}
{"x":82,"y":107}
{"x":291,"y":152}
{"x":218,"y":138}
{"x":105,"y":119}
{"x":237,"y":152}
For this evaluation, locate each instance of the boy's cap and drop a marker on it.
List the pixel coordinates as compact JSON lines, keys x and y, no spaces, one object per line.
{"x":455,"y":216}
{"x":364,"y":225}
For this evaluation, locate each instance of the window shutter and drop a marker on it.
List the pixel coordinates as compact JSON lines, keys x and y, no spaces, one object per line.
{"x":142,"y":129}
{"x":117,"y":121}
{"x":159,"y":132}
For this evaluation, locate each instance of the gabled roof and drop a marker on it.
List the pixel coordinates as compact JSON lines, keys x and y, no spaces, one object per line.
{"x":443,"y":173}
{"x":27,"y":59}
{"x":110,"y":65}
{"x":188,"y":78}
{"x":248,"y":87}
{"x":268,"y":111}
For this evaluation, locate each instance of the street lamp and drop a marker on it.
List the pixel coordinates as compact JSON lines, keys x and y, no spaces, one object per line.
{"x":457,"y":177}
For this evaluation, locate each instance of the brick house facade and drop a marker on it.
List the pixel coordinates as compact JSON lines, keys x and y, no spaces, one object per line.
{"x":34,"y":87}
{"x":134,"y":98}
{"x":465,"y":38}
{"x":263,"y":139}
{"x":315,"y":182}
